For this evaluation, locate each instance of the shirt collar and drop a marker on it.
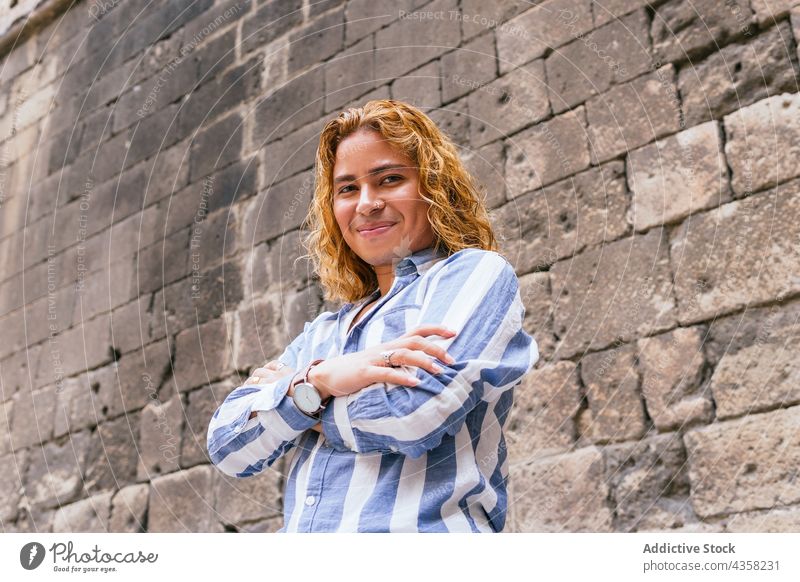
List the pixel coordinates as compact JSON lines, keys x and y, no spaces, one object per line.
{"x":418,"y":261}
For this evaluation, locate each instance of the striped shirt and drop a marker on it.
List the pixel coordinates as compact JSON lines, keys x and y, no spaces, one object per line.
{"x":391,"y":458}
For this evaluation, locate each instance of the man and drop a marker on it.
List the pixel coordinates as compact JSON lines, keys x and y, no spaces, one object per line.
{"x":392,"y":408}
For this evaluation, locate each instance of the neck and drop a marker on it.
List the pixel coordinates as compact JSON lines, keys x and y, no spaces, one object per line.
{"x":385,"y":274}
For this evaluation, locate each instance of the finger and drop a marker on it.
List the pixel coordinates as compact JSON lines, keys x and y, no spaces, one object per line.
{"x":273,"y":365}
{"x":429,"y":347}
{"x":431,"y":329}
{"x":393,"y":376}
{"x":417,"y":358}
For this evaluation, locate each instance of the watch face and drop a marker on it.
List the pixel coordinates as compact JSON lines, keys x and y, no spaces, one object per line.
{"x":307,"y":397}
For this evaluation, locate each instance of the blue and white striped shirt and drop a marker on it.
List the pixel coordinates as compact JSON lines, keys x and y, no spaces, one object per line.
{"x":391,"y":458}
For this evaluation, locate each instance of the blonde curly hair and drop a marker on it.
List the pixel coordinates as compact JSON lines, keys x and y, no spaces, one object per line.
{"x":457,"y":212}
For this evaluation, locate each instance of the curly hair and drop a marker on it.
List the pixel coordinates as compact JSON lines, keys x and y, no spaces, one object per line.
{"x":456,"y":211}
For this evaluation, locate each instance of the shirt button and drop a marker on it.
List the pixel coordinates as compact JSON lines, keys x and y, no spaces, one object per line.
{"x":310,"y":500}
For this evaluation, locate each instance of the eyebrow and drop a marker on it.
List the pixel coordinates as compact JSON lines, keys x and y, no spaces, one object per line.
{"x":376,"y":170}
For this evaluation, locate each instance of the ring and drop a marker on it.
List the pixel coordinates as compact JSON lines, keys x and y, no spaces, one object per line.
{"x":387,"y":355}
{"x":280,"y":365}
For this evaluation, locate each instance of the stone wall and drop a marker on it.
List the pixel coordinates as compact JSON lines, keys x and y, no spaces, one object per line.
{"x":642,"y":163}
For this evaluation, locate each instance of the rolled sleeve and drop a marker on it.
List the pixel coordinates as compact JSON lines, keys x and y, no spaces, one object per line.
{"x":241,"y":446}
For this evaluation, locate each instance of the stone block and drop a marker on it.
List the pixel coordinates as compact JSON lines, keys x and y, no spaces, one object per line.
{"x":202,"y":403}
{"x":565,"y":218}
{"x":366,"y":16}
{"x":290,"y":268}
{"x":535,"y":292}
{"x":539,"y":29}
{"x":216,"y":147}
{"x":453,"y":120}
{"x":183,"y":502}
{"x":255,"y":341}
{"x":745,"y":464}
{"x":113,"y":454}
{"x":487,"y":166}
{"x":88,"y":515}
{"x":473,"y":65}
{"x":672,"y":366}
{"x":562,"y":493}
{"x":134,"y":381}
{"x":271,"y":20}
{"x":77,"y":405}
{"x":763,"y":143}
{"x":768,"y":11}
{"x":678,"y":176}
{"x":477,"y":16}
{"x":547,"y":152}
{"x":716,"y":254}
{"x":682,"y":30}
{"x":276,"y":211}
{"x":129,"y":509}
{"x":757,"y":378}
{"x":633,"y":114}
{"x":433,"y":32}
{"x":197,"y":299}
{"x":615,"y":293}
{"x":317,"y":41}
{"x":239,"y":501}
{"x":757,"y":325}
{"x":202,"y":354}
{"x":54,"y":475}
{"x":6,"y":408}
{"x":160,"y":438}
{"x":161,"y":263}
{"x":781,"y":520}
{"x":506,"y":104}
{"x":542,"y":419}
{"x":738,"y":75}
{"x":592,"y":63}
{"x":607,"y":10}
{"x":34,"y":416}
{"x":292,"y":105}
{"x":12,"y":471}
{"x":613,"y":394}
{"x":350,"y":74}
{"x":649,"y":483}
{"x":420,"y":87}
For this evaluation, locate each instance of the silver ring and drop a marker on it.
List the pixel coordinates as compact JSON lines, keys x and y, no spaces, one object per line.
{"x":387,"y":355}
{"x":280,"y":365}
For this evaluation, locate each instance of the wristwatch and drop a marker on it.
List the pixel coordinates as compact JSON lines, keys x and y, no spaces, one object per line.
{"x":306,"y":396}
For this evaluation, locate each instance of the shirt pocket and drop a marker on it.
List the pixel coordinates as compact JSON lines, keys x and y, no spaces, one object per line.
{"x":397,"y":320}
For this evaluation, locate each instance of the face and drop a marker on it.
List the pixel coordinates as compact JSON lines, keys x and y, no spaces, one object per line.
{"x":376,"y":200}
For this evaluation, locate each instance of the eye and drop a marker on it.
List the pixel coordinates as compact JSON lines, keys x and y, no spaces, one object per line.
{"x":343,"y":190}
{"x":393,"y":176}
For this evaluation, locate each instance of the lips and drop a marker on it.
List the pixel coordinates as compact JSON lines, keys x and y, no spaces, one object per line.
{"x":376,"y":229}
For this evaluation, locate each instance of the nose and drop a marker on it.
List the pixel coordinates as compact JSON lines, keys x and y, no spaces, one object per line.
{"x":367,"y":198}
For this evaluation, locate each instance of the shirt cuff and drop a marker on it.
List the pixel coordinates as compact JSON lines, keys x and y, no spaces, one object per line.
{"x":275,"y":399}
{"x":336,"y":424}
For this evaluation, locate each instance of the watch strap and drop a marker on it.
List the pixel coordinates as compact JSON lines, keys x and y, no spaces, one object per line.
{"x":304,"y":380}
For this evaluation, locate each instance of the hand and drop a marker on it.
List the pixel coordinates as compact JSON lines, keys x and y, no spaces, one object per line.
{"x":348,"y":373}
{"x":267,"y":374}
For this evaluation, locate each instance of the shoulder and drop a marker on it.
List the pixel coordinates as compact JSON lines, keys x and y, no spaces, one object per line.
{"x":480,"y":260}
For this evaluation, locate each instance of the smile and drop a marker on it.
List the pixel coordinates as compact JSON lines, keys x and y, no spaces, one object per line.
{"x":373,"y":232}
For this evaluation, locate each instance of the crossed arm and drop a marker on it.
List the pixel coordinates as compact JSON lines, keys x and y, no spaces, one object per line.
{"x":478,"y":296}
